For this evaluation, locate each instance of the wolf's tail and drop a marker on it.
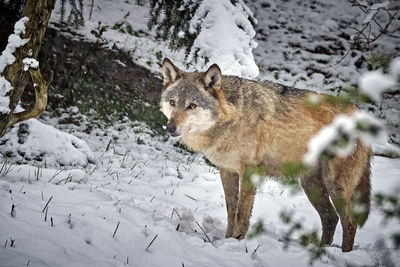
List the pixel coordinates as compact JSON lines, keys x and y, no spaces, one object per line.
{"x":361,"y":200}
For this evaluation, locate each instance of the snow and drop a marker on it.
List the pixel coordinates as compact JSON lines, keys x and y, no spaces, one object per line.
{"x":36,"y":140}
{"x":394,"y":68}
{"x":344,"y":127}
{"x":220,"y":39}
{"x":375,"y":83}
{"x":5,"y":87}
{"x":231,"y":48}
{"x":30,"y":63}
{"x":151,"y":188}
{"x":289,"y":33}
{"x":7,"y":58}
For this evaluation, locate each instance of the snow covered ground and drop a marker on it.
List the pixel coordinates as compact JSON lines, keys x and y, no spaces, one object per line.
{"x":149,"y":187}
{"x":121,"y":196}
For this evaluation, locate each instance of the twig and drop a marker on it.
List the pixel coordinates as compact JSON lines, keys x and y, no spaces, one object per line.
{"x":55,"y":174}
{"x":147,"y":249}
{"x":12,"y":210}
{"x":204,"y":232}
{"x":255,"y":250}
{"x":191,"y":197}
{"x":51,"y":220}
{"x":69,"y":177}
{"x":339,"y":61}
{"x":116,"y":230}
{"x":5,"y":169}
{"x":45,"y":215}
{"x":176,"y":212}
{"x":387,"y":155}
{"x":47,"y":204}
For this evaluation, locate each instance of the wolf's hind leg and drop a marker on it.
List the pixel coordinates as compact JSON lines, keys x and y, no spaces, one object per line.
{"x":230,"y":182}
{"x":345,"y":176}
{"x":317,"y":193}
{"x":244,"y":208}
{"x":348,"y":222}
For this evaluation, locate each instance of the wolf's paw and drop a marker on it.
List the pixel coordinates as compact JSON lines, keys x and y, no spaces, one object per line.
{"x":239,"y":233}
{"x":229,"y":233}
{"x":347,"y":247}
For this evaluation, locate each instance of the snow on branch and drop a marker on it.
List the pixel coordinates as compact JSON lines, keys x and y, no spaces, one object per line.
{"x":7,"y":58}
{"x":375,"y":83}
{"x":340,"y":137}
{"x":30,"y":63}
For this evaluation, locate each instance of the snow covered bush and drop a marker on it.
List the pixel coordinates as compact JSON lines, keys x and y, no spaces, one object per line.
{"x":339,"y":137}
{"x":34,"y":140}
{"x":211,"y":32}
{"x":375,"y":83}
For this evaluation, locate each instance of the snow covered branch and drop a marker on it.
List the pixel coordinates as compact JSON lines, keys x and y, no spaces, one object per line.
{"x":340,"y":137}
{"x":375,"y":83}
{"x":19,"y":57}
{"x":7,"y":58}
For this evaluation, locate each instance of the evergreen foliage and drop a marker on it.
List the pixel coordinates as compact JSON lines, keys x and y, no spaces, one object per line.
{"x":171,"y":19}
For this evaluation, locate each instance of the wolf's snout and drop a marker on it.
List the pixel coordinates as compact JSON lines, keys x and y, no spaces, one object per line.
{"x":171,"y":128}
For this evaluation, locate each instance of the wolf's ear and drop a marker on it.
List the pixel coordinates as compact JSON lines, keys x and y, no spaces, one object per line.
{"x":212,"y":78}
{"x":170,"y":72}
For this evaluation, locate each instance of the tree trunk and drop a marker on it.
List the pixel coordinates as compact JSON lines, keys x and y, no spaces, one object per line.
{"x":38,"y":12}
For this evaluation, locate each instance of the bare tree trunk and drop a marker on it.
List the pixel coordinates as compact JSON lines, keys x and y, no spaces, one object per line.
{"x":38,"y":12}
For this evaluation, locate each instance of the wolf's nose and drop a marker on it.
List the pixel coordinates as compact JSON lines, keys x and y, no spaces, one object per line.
{"x":171,"y":128}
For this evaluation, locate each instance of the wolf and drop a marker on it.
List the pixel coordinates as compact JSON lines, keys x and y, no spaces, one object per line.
{"x":242,"y":125}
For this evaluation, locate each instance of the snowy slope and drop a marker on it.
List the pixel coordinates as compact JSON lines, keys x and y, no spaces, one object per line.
{"x":299,"y":44}
{"x":140,"y":181}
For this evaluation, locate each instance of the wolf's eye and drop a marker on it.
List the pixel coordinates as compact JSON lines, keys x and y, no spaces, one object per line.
{"x":192,"y":106}
{"x":172,"y":102}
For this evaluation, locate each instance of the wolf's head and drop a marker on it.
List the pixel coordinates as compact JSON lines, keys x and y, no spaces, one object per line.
{"x":190,"y":100}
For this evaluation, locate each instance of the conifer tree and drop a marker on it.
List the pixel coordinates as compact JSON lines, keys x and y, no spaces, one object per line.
{"x":218,"y":31}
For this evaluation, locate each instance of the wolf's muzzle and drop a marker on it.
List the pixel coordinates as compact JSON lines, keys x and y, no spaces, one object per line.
{"x":171,"y":128}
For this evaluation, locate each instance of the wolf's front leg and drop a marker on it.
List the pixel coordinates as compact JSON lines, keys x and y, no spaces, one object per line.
{"x":230,"y":182}
{"x":244,"y":207}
